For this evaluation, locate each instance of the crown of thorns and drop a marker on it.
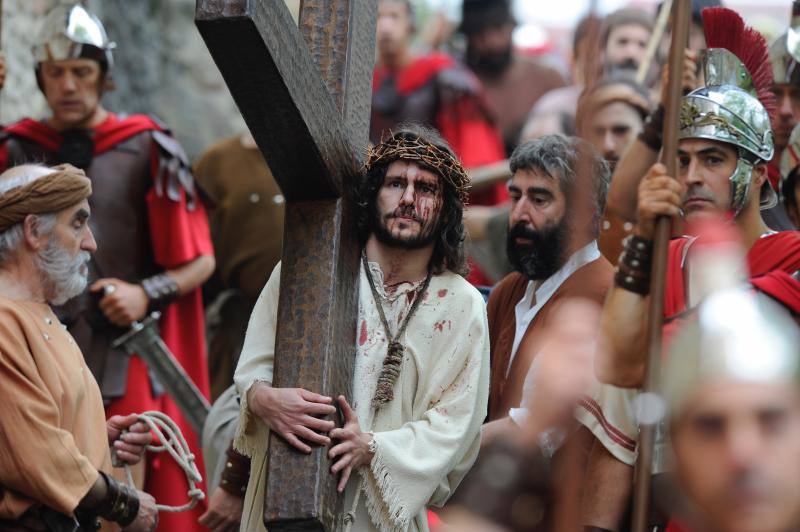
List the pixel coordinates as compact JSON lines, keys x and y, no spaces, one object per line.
{"x":402,"y":147}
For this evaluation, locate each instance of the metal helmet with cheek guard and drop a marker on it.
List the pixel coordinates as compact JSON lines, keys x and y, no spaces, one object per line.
{"x":73,"y":32}
{"x":733,"y":106}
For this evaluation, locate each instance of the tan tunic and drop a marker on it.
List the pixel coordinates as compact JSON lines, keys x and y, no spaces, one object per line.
{"x":52,"y":427}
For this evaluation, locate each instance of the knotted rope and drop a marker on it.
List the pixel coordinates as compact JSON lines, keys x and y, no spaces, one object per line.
{"x":173,"y":442}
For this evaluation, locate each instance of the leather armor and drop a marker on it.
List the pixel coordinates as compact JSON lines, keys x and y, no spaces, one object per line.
{"x":390,"y":107}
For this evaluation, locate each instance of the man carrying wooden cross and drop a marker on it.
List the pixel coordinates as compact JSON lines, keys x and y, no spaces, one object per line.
{"x":421,"y":378}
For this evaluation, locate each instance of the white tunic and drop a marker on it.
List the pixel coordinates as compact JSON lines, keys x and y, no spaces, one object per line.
{"x":428,"y":436}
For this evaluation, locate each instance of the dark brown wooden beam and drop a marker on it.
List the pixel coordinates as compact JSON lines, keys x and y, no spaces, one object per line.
{"x":347,"y":71}
{"x":277,"y":87}
{"x":315,"y":348}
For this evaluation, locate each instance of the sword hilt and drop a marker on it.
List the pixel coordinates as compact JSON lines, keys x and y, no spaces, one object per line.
{"x":149,"y":323}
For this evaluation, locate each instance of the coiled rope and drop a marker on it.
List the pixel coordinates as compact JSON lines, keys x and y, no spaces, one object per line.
{"x":173,"y":442}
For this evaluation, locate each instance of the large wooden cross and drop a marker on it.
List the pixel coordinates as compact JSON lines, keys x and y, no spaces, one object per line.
{"x":305,"y":96}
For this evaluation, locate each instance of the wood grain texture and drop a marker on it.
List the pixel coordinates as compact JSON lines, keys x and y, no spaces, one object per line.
{"x":315,"y":348}
{"x":283,"y":99}
{"x":341,"y":38}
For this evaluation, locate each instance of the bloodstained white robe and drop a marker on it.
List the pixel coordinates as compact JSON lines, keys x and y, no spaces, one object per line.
{"x":428,"y":436}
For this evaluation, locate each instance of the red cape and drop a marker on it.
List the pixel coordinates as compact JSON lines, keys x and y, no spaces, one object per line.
{"x":178,"y":236}
{"x":771,"y":262}
{"x":107,"y":135}
{"x":464,"y":122}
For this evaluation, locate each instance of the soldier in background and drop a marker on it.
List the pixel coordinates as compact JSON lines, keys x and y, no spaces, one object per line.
{"x":150,"y":224}
{"x":433,"y":90}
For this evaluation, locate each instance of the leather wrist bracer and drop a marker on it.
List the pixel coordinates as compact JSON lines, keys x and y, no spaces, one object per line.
{"x":652,"y":132}
{"x":633,"y":267}
{"x":161,"y":290}
{"x":121,"y":503}
{"x":236,"y":473}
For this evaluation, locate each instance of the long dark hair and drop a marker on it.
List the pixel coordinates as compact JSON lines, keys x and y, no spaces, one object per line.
{"x":448,"y":251}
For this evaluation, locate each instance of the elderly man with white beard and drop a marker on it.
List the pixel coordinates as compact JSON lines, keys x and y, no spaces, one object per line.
{"x":56,"y":461}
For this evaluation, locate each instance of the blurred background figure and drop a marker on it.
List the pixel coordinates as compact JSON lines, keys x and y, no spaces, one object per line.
{"x":624,"y":37}
{"x":513,"y":83}
{"x":431,"y":89}
{"x":246,"y":220}
{"x":610,"y":116}
{"x":786,"y":87}
{"x":790,"y":184}
{"x":554,"y":112}
{"x":731,"y":384}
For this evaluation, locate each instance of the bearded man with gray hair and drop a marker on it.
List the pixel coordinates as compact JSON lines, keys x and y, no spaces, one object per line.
{"x":56,"y":461}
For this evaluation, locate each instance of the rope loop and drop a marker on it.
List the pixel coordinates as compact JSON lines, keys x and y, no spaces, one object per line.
{"x":172,"y":441}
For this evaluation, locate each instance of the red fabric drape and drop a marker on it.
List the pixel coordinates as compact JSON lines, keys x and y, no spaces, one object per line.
{"x":178,"y":236}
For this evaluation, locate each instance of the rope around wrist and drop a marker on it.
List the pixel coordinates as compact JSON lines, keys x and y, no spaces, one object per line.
{"x":633,"y":267}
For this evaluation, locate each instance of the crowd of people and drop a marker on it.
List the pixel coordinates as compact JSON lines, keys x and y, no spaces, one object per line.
{"x":501,"y":350}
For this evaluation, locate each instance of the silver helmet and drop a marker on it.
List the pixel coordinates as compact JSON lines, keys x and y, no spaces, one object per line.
{"x":73,"y":32}
{"x":737,"y":335}
{"x":784,"y":61}
{"x":726,"y":109}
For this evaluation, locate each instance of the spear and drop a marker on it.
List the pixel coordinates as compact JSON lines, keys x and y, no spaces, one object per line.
{"x":647,"y":424}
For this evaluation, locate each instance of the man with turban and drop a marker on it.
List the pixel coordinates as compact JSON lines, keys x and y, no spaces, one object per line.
{"x":56,"y":462}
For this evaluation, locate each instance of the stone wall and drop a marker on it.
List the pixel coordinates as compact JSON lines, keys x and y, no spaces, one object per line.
{"x":162,"y":67}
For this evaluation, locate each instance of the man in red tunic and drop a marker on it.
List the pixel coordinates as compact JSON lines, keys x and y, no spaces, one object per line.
{"x":723,"y":170}
{"x":433,"y":90}
{"x":150,"y":225}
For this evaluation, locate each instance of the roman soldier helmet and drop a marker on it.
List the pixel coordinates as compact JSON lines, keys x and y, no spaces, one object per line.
{"x":73,"y":32}
{"x":737,"y":335}
{"x":784,"y":52}
{"x":736,"y":103}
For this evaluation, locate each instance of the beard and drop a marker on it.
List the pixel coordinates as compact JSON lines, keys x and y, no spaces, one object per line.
{"x":490,"y":65}
{"x":612,"y":161}
{"x":544,"y":255}
{"x":64,"y":276}
{"x":426,"y":235}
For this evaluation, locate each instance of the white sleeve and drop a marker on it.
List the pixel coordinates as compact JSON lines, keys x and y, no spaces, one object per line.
{"x":258,"y":354}
{"x":611,"y":417}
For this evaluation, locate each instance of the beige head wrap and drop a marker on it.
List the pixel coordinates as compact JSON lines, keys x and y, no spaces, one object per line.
{"x":53,"y":192}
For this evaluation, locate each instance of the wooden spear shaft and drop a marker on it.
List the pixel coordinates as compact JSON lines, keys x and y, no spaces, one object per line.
{"x":680,"y":36}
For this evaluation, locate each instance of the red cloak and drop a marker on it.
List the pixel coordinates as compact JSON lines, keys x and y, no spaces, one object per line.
{"x":463,"y":121}
{"x":771,"y":262}
{"x":179,"y":235}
